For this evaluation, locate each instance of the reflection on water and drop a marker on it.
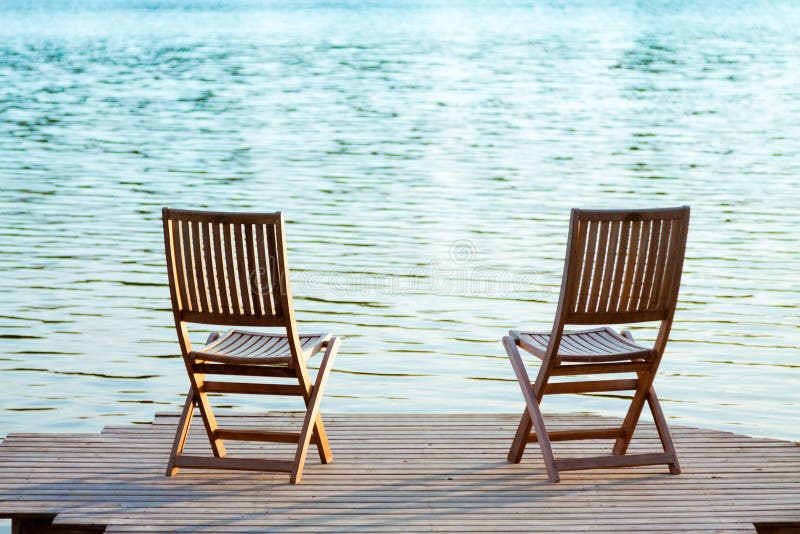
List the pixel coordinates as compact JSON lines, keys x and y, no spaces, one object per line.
{"x":426,"y":156}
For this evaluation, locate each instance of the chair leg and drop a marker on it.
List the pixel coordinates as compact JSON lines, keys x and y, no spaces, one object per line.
{"x":533,"y":409}
{"x":181,"y":432}
{"x":634,"y":410}
{"x":312,"y":424}
{"x":632,"y":417}
{"x":319,"y":432}
{"x":520,"y":438}
{"x":321,"y":438}
{"x":209,"y":421}
{"x":201,"y":400}
{"x":663,"y":431}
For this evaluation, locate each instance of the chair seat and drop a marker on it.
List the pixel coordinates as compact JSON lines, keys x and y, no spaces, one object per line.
{"x":243,"y":347}
{"x":602,"y":344}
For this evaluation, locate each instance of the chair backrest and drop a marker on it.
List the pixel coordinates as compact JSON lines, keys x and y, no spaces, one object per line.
{"x":623,"y":266}
{"x":227,"y":268}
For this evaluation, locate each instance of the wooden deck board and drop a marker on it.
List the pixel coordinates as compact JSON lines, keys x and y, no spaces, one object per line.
{"x":426,"y":473}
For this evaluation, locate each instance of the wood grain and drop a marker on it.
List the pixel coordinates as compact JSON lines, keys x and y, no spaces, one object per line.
{"x":430,"y":473}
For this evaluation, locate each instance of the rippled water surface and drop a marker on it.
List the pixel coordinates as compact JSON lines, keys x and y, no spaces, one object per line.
{"x":426,"y":156}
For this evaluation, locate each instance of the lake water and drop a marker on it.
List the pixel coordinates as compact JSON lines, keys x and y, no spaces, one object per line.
{"x":426,"y":155}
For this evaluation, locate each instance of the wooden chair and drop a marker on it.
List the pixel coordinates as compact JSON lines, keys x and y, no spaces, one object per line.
{"x":230,"y":269}
{"x":621,"y":267}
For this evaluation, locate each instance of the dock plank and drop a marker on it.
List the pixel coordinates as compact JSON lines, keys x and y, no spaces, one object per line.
{"x":427,"y":473}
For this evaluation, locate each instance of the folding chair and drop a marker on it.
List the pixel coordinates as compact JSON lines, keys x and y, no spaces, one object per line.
{"x":620,"y":267}
{"x":230,"y":269}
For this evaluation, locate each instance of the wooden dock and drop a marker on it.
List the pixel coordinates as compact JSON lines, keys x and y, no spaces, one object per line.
{"x":412,"y":473}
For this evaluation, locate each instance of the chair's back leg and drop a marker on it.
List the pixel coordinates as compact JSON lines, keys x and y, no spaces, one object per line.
{"x":634,"y":412}
{"x":637,"y":404}
{"x":209,"y":421}
{"x":321,"y":438}
{"x":663,"y":430}
{"x":182,"y":431}
{"x":520,"y":438}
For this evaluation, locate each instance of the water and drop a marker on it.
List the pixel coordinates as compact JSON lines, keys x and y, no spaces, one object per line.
{"x":426,"y":156}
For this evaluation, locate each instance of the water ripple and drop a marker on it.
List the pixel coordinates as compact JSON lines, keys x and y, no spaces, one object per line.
{"x":388,"y":134}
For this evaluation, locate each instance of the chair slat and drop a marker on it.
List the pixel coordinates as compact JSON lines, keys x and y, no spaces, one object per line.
{"x":230,"y":265}
{"x":253,"y":277}
{"x":598,"y":266}
{"x":587,"y":262}
{"x":623,"y":252}
{"x":632,"y":255}
{"x":579,"y":345}
{"x":178,"y":270}
{"x":212,"y":288}
{"x":638,"y":263}
{"x":273,"y":347}
{"x":604,"y":343}
{"x":275,"y":276}
{"x":252,"y":345}
{"x":244,"y":346}
{"x":650,"y":266}
{"x":660,"y":263}
{"x":265,"y":276}
{"x":241,"y":270}
{"x":201,"y":283}
{"x":221,"y":267}
{"x":277,"y":348}
{"x":188,"y":265}
{"x":612,"y":254}
{"x":658,"y":272}
{"x":581,"y":237}
{"x":670,"y":268}
{"x":227,"y":343}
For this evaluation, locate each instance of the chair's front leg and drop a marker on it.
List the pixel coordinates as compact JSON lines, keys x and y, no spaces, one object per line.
{"x":312,"y":418}
{"x":533,"y":410}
